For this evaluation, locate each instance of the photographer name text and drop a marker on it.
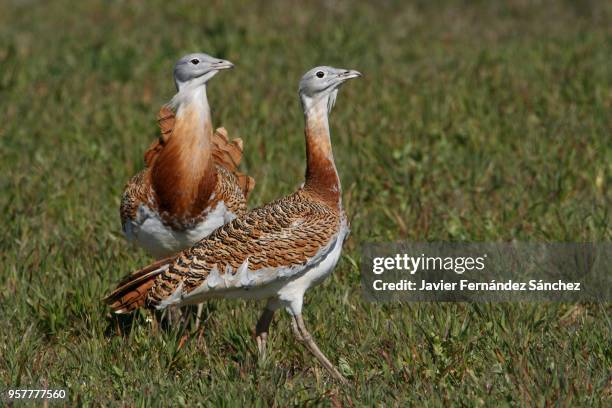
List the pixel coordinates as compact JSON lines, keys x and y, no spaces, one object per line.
{"x":466,"y":285}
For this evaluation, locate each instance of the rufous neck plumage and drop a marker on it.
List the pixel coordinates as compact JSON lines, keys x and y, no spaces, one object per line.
{"x":321,"y":174}
{"x":183,"y":175}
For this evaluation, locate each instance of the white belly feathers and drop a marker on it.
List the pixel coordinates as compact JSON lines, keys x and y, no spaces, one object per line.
{"x":159,"y":240}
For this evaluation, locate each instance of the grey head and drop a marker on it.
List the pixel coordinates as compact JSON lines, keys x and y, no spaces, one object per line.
{"x":322,"y":83}
{"x":196,"y":69}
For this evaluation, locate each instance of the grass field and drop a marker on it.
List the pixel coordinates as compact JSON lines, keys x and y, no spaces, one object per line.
{"x":475,"y":121}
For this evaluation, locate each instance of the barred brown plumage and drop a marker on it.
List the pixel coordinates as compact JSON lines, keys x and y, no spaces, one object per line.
{"x":274,"y":252}
{"x":282,"y":234}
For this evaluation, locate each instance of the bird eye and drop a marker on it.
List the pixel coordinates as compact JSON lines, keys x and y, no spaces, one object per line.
{"x":320,"y":74}
{"x":195,"y":61}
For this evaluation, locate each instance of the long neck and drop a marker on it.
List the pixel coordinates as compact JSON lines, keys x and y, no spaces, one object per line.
{"x":184,"y":174}
{"x":193,"y":121}
{"x":321,"y":174}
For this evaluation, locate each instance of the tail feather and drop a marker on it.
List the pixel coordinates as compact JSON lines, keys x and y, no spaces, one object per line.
{"x":165,"y":121}
{"x":229,"y":154}
{"x":225,"y":152}
{"x":131,"y":293}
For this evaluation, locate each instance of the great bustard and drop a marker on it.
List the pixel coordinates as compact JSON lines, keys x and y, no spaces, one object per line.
{"x":275,"y":252}
{"x":190,"y":185}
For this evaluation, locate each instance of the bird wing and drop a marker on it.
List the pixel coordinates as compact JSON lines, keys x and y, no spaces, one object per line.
{"x":230,"y":192}
{"x":277,"y":241}
{"x":136,"y":192}
{"x":228,"y":154}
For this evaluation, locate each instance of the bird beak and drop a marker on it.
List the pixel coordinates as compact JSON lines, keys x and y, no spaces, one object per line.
{"x":222,"y":64}
{"x":349,"y":74}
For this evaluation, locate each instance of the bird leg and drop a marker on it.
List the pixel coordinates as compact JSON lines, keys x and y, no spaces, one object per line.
{"x":198,"y":316}
{"x":261,"y":331}
{"x":154,"y":322}
{"x":172,"y":315}
{"x":304,"y":337}
{"x":296,"y":331}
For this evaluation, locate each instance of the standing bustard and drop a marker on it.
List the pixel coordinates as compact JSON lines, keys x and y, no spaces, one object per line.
{"x":190,"y":185}
{"x":275,"y":252}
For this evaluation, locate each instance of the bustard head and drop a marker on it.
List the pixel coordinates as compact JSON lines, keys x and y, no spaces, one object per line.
{"x":322,"y":83}
{"x":196,"y":69}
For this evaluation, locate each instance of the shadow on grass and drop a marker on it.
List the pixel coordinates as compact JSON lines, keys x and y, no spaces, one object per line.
{"x":121,"y":324}
{"x":176,"y":320}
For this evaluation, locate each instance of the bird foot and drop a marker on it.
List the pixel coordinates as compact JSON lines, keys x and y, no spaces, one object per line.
{"x":261,"y":345}
{"x":261,"y":331}
{"x":304,"y":337}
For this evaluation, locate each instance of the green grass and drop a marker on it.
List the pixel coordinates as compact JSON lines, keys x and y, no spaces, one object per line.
{"x":474,"y":122}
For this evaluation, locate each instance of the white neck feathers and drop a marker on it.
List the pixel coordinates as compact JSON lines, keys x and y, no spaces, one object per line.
{"x":193,"y":97}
